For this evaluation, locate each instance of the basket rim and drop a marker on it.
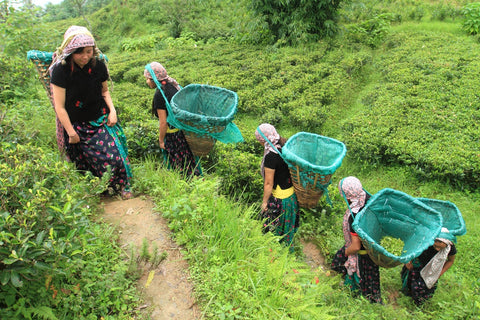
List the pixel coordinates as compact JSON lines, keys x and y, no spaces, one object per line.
{"x":290,"y":156}
{"x":191,"y":86}
{"x":458,"y":231}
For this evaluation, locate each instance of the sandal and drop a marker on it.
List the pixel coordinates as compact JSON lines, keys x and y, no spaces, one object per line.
{"x":127,"y":195}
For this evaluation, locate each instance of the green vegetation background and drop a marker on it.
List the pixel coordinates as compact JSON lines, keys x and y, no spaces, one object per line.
{"x":398,"y":85}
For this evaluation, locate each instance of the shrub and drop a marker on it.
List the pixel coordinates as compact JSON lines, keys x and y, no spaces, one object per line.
{"x":471,"y":23}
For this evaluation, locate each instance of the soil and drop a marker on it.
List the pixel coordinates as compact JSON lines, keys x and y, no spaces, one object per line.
{"x":169,"y":293}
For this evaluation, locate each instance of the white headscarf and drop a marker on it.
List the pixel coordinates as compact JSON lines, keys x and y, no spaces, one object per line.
{"x":352,"y":189}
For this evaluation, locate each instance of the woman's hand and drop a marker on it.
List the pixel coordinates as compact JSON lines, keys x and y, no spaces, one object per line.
{"x":263,"y":207}
{"x":409,"y":265}
{"x":112,"y":118}
{"x":73,"y":139}
{"x":161,"y":143}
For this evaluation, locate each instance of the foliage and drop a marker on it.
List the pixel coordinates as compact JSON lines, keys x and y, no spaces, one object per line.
{"x":372,"y":31}
{"x":408,"y":120}
{"x":72,"y":8}
{"x":47,"y":247}
{"x":471,"y":23}
{"x":242,"y":169}
{"x":298,"y":21}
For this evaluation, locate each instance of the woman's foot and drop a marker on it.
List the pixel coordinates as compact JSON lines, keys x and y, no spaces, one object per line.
{"x":127,"y":195}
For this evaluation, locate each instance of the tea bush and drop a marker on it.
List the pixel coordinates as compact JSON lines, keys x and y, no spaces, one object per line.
{"x":471,"y":23}
{"x":421,"y":111}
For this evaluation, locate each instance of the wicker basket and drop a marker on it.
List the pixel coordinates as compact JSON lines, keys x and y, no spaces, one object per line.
{"x":200,"y":145}
{"x":312,"y":159}
{"x":42,"y":61}
{"x":308,"y":196}
{"x":396,"y":214}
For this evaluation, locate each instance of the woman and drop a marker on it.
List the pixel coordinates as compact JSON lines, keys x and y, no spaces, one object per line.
{"x":171,"y":140}
{"x":352,"y":260}
{"x":420,"y":276}
{"x":279,"y":207}
{"x":92,"y":137}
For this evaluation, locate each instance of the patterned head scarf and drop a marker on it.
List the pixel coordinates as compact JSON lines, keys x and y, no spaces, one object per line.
{"x":75,"y":37}
{"x":160,"y":74}
{"x":268,"y":131}
{"x":271,"y":134}
{"x":352,"y":189}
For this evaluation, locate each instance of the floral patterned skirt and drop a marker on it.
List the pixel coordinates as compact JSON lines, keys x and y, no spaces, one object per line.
{"x":282,"y":217}
{"x":414,"y":286}
{"x":178,"y":155}
{"x":369,"y":281}
{"x":99,"y":148}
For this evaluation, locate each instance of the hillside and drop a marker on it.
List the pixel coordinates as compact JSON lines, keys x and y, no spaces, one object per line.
{"x":397,"y":85}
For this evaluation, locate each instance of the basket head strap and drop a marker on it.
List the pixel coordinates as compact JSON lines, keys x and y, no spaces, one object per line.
{"x":171,"y":117}
{"x":275,"y":148}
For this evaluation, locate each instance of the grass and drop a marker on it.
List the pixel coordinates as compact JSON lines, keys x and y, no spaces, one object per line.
{"x":243,"y":274}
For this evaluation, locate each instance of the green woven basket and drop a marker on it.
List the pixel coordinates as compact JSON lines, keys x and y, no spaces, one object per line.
{"x":204,"y":110}
{"x":205,"y":106}
{"x":396,"y":214}
{"x":312,"y":160}
{"x":452,"y":218}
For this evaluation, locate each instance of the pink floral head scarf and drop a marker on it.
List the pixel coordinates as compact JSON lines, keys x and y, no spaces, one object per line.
{"x":75,"y":37}
{"x":272,"y":135}
{"x":161,"y":74}
{"x":352,"y":188}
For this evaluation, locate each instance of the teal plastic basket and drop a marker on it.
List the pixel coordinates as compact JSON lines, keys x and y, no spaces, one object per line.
{"x":312,"y":159}
{"x":396,"y":214}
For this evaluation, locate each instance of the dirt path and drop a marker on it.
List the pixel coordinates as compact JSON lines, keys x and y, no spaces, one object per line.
{"x":168,"y":294}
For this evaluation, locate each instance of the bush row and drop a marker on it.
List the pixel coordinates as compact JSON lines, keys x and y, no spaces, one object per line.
{"x":424,"y":111}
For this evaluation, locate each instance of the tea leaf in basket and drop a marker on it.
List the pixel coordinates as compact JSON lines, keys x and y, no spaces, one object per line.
{"x":393,"y":245}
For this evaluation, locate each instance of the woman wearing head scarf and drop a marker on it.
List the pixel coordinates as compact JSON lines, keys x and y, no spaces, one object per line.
{"x":420,"y":276}
{"x":89,"y":133}
{"x":279,"y":207}
{"x":171,"y":140}
{"x":352,"y":260}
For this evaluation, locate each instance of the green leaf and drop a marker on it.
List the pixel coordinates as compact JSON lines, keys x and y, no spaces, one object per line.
{"x":4,"y":277}
{"x":15,"y":278}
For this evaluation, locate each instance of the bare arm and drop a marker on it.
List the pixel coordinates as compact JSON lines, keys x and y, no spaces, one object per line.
{"x":354,"y":247}
{"x":59,"y":94}
{"x":267,"y":186}
{"x":112,"y":116}
{"x":163,"y":126}
{"x":448,"y":264}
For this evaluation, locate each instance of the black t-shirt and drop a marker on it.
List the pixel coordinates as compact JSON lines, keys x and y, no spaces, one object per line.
{"x":158,"y":99}
{"x":83,"y":97}
{"x":428,"y":254}
{"x":158,"y":102}
{"x":282,"y":174}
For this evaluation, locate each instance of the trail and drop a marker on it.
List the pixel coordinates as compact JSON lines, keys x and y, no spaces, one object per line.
{"x":169,"y":294}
